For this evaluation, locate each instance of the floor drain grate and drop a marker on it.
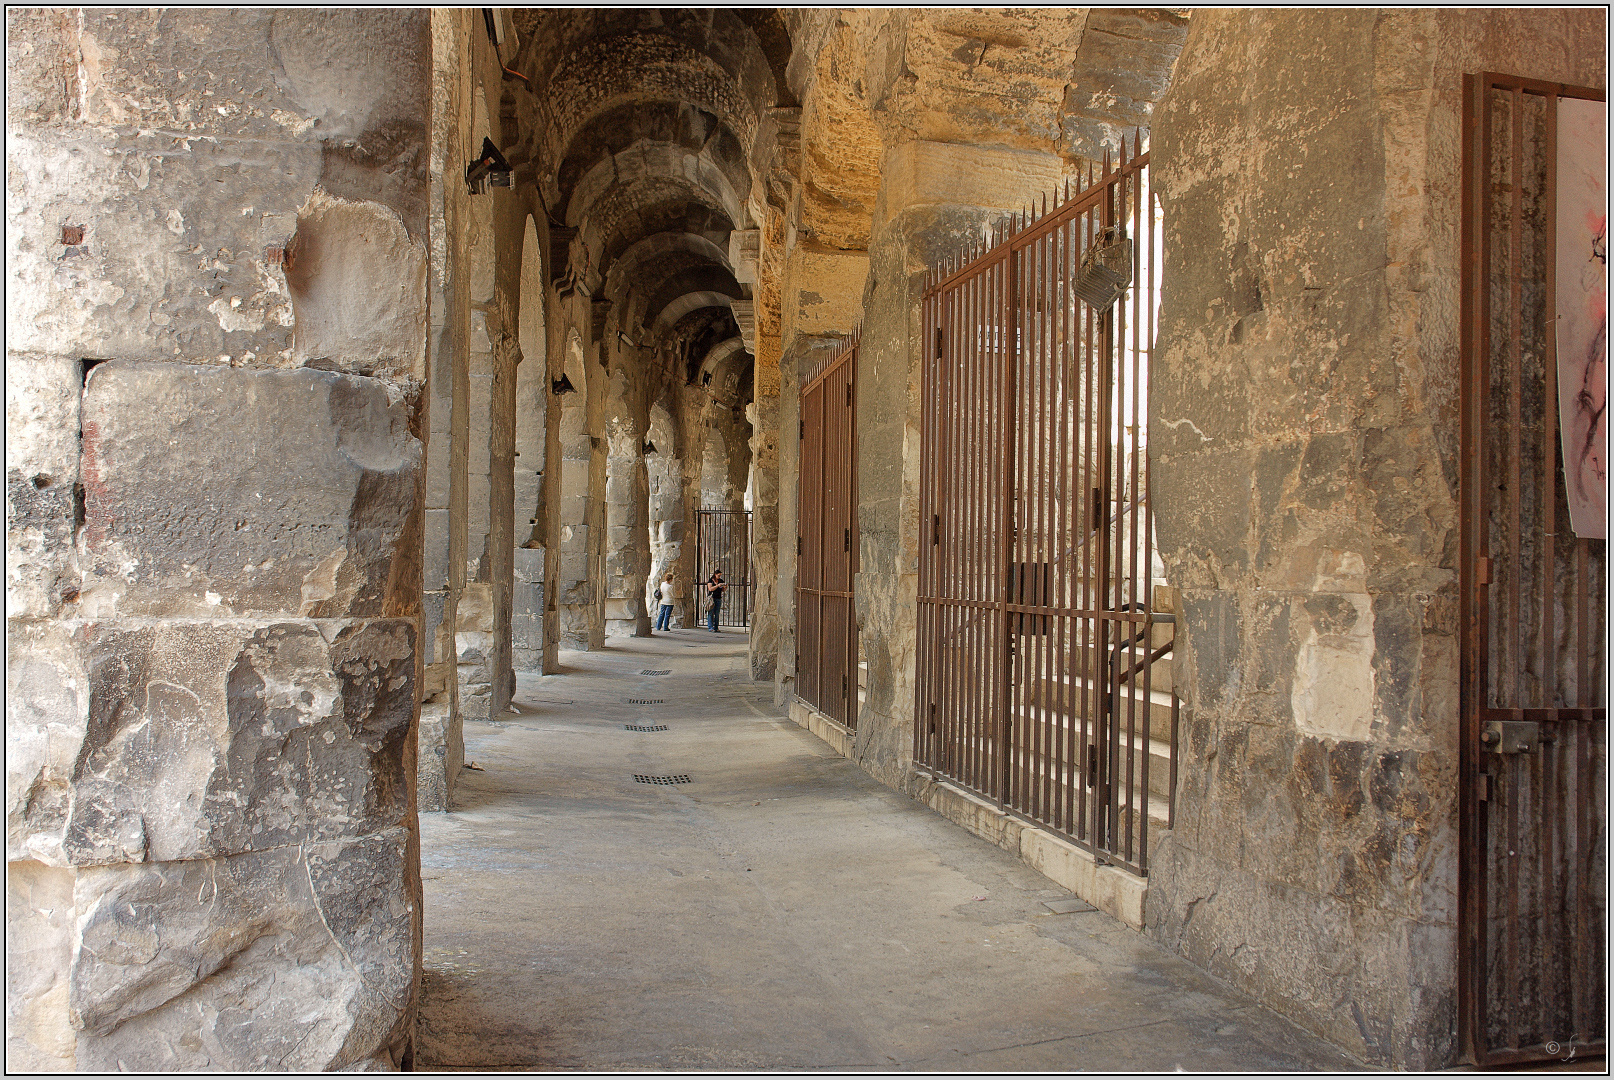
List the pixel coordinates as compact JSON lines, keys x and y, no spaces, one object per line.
{"x":646,"y":701}
{"x":645,"y":727}
{"x":681,"y":778}
{"x":647,"y":671}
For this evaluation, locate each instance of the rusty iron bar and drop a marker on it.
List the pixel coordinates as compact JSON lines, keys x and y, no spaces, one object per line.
{"x":827,"y":539}
{"x":1531,"y":616}
{"x":1035,"y":525}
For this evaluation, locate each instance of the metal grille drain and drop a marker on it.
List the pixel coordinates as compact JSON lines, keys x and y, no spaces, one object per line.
{"x":645,"y":727}
{"x":646,"y":701}
{"x":681,"y":778}
{"x":647,"y":671}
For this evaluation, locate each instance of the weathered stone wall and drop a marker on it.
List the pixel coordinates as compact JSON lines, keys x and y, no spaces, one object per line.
{"x":215,"y":488}
{"x":1305,"y":434}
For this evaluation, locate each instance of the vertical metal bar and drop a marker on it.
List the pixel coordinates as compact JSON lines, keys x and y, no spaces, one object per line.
{"x":1553,"y":876}
{"x":1007,"y":402}
{"x":1469,"y":923}
{"x":1091,"y":485}
{"x":1063,"y":532}
{"x":1514,"y":686}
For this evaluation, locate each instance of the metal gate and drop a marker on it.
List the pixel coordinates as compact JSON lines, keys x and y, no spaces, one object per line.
{"x":826,"y":548}
{"x":1042,"y":662}
{"x":723,"y":542}
{"x":1533,"y":751}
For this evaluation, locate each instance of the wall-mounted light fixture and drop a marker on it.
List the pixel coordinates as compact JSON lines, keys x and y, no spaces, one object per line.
{"x":648,"y":447}
{"x":489,"y":170}
{"x":1106,"y":270}
{"x":562,"y":385}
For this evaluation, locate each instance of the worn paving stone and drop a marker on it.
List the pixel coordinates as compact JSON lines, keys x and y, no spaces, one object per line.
{"x":781,"y":910}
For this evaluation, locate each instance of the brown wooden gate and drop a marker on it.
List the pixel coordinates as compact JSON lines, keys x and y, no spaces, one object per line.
{"x":1042,"y":678}
{"x":1533,"y":752}
{"x":826,"y":547}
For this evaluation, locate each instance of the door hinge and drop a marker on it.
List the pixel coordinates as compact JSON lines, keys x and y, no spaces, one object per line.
{"x":1482,"y":570}
{"x":935,"y":530}
{"x":849,"y":392}
{"x":844,"y":691}
{"x":798,"y":544}
{"x":938,"y":343}
{"x":1482,"y":787}
{"x":801,"y":430}
{"x":846,"y":543}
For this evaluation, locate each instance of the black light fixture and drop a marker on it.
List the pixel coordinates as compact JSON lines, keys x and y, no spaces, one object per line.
{"x":648,"y":447}
{"x":562,"y":385}
{"x":489,"y":170}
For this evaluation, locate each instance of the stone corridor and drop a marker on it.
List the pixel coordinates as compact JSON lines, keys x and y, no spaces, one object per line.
{"x":780,"y":910}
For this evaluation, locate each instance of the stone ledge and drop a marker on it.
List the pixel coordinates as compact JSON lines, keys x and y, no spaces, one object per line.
{"x":1110,"y":889}
{"x":838,"y":736}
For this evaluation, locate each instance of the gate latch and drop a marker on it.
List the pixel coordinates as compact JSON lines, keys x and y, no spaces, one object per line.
{"x":1511,"y":736}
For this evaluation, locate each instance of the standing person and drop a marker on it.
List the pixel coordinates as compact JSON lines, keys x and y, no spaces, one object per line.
{"x":714,"y":599}
{"x":664,"y":593}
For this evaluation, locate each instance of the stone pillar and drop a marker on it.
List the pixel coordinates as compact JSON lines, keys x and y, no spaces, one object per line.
{"x":531,"y":416}
{"x":934,"y":199}
{"x":214,"y":537}
{"x":474,"y":629}
{"x":1304,"y":411}
{"x":665,"y":500}
{"x":627,"y":490}
{"x":572,"y":586}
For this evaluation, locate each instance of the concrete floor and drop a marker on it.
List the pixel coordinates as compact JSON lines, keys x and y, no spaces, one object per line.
{"x":781,"y":910}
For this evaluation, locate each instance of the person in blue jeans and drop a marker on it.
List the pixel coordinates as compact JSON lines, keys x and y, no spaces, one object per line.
{"x":714,"y":599}
{"x":664,"y":593}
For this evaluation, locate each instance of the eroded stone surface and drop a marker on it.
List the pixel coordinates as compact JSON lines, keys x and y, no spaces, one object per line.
{"x":189,"y":740}
{"x":248,"y":492}
{"x":302,"y":957}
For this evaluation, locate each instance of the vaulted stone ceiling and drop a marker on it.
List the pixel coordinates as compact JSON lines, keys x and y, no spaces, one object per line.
{"x":636,"y":127}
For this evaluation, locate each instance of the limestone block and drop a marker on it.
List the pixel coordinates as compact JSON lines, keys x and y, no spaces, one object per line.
{"x":434,"y":569}
{"x":40,"y":49}
{"x":169,"y":265}
{"x":158,"y":68}
{"x":823,"y":291}
{"x":475,"y":608}
{"x":295,"y":958}
{"x":275,"y":492}
{"x":39,"y":950}
{"x":919,"y":172}
{"x":441,"y":756}
{"x":129,"y":743}
{"x":433,"y":609}
{"x":529,"y":564}
{"x":42,"y":421}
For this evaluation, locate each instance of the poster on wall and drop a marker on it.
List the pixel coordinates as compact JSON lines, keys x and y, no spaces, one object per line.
{"x":1582,"y":315}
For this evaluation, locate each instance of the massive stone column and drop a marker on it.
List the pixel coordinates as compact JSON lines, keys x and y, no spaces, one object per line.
{"x":216,"y":355}
{"x":1305,"y":436}
{"x":440,"y":728}
{"x":627,"y":490}
{"x":664,"y":478}
{"x":527,"y":468}
{"x":934,"y":199}
{"x":572,"y":584}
